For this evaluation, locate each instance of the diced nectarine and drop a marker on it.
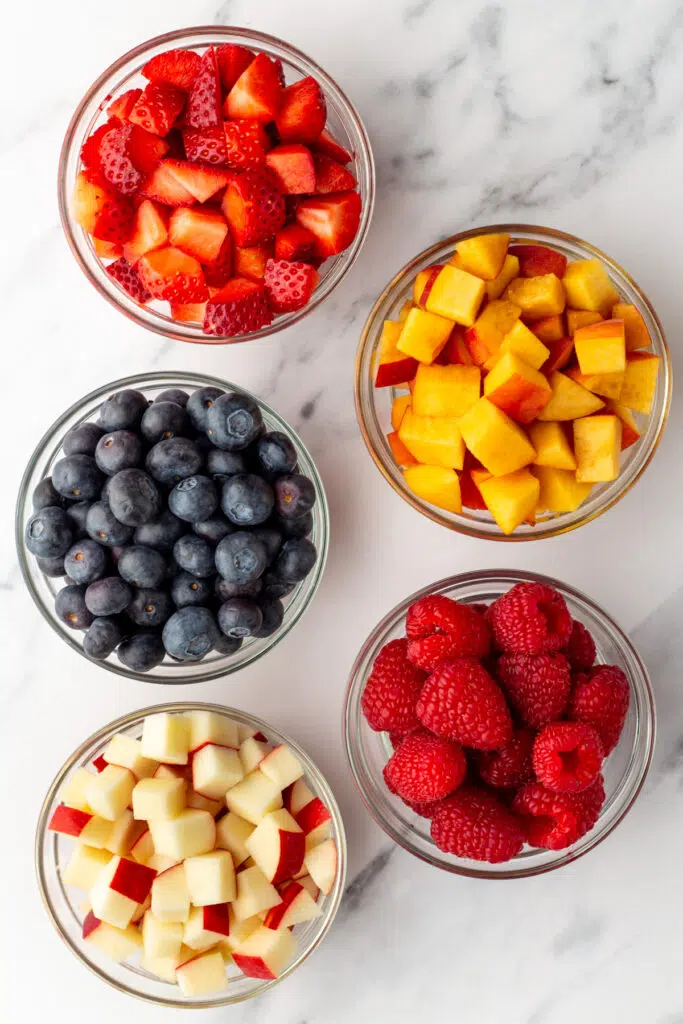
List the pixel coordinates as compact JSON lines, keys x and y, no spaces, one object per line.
{"x":640,"y":381}
{"x":483,"y":255}
{"x":456,"y":294}
{"x":549,"y":328}
{"x":435,"y":484}
{"x":499,"y":443}
{"x":470,"y":493}
{"x":629,"y":427}
{"x":569,"y":400}
{"x":423,"y":335}
{"x":597,"y":446}
{"x":486,"y":334}
{"x":393,"y":367}
{"x":511,"y":499}
{"x":560,"y":353}
{"x":601,"y":347}
{"x":495,"y":288}
{"x":445,"y":390}
{"x":404,"y":310}
{"x":637,"y":334}
{"x":402,"y":456}
{"x":524,"y":343}
{"x":456,"y":347}
{"x":588,"y":286}
{"x":552,"y":445}
{"x":560,"y":491}
{"x":580,"y":318}
{"x":434,"y":441}
{"x":537,"y":297}
{"x":516,"y":388}
{"x":535,"y":260}
{"x":608,"y":385}
{"x":422,"y":285}
{"x":398,"y":408}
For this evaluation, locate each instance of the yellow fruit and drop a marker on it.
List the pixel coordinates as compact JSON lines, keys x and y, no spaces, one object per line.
{"x":434,"y":441}
{"x":601,"y":348}
{"x":608,"y":385}
{"x":457,"y":295}
{"x":524,"y":343}
{"x":483,"y":255}
{"x":511,"y":499}
{"x":597,"y":446}
{"x":445,"y":390}
{"x":560,"y":490}
{"x":435,"y":484}
{"x":551,"y":444}
{"x":499,"y":443}
{"x":581,"y":318}
{"x":495,"y":288}
{"x":537,"y":296}
{"x":423,"y":335}
{"x":640,"y":381}
{"x":588,"y":286}
{"x":637,"y":334}
{"x":569,"y":400}
{"x":398,"y":408}
{"x":516,"y":388}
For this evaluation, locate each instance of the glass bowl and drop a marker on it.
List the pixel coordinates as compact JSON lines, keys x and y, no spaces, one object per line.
{"x":43,"y":589}
{"x":373,"y":405}
{"x":624,"y":770}
{"x":64,"y":905}
{"x":343,"y":121}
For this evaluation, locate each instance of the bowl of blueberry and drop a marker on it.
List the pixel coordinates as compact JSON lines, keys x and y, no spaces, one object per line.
{"x":171,"y":527}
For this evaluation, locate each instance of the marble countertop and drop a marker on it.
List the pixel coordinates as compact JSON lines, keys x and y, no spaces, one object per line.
{"x":561,"y":114}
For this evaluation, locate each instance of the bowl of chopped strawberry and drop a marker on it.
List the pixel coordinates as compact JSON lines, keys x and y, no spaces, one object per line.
{"x":499,"y":724}
{"x":215,"y":184}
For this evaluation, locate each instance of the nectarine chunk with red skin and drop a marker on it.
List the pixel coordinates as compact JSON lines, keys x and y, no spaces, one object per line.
{"x":569,"y":400}
{"x":394,"y":367}
{"x":581,"y":318}
{"x":560,"y":355}
{"x":423,"y":284}
{"x":445,"y":390}
{"x":456,"y":294}
{"x":536,"y":260}
{"x":423,"y":335}
{"x":402,"y":456}
{"x":635,"y":328}
{"x":525,"y":344}
{"x":516,"y":388}
{"x":629,"y":428}
{"x":495,"y":288}
{"x":560,"y":491}
{"x":470,"y":493}
{"x":486,"y":334}
{"x":609,"y":385}
{"x":597,"y":446}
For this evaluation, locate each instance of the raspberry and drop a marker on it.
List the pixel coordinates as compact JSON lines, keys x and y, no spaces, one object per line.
{"x":537,"y":685}
{"x":425,"y":768}
{"x":460,"y":701}
{"x":567,"y":756}
{"x":529,"y":619}
{"x":581,"y":648}
{"x":591,"y":800}
{"x":601,"y":699}
{"x":391,"y":691}
{"x":511,"y":765}
{"x":556,"y":820}
{"x":473,"y":823}
{"x":426,"y":810}
{"x":469,"y":630}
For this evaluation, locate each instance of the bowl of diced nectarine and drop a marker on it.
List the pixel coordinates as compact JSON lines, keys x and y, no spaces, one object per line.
{"x":512,"y":382}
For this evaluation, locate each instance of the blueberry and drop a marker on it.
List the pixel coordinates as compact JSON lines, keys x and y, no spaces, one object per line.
{"x":86,"y":561}
{"x":161,"y":533}
{"x":149,"y":607}
{"x":133,"y":497}
{"x":123,"y":410}
{"x":221,"y":465}
{"x":173,"y":459}
{"x":49,"y":532}
{"x":141,"y":652}
{"x":294,"y":495}
{"x":273,"y":614}
{"x":241,"y":557}
{"x":240,"y":617}
{"x":173,"y":395}
{"x":82,"y":440}
{"x":299,"y":527}
{"x":274,"y":588}
{"x":45,"y":495}
{"x":78,"y":516}
{"x":77,"y":476}
{"x":296,"y":559}
{"x":233,"y":422}
{"x":163,"y":420}
{"x":142,"y":566}
{"x":224,"y":590}
{"x":187,"y":589}
{"x":193,"y":499}
{"x":214,"y":528}
{"x":227,"y":644}
{"x":272,"y":538}
{"x":71,"y":608}
{"x":198,"y":405}
{"x":119,"y":450}
{"x":103,"y":526}
{"x":103,"y":636}
{"x":108,"y":596}
{"x":190,"y":633}
{"x":194,"y":555}
{"x":52,"y":567}
{"x":275,"y":454}
{"x":247,"y":499}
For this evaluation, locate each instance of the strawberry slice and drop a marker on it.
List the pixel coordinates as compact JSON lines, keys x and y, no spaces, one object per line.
{"x":289,"y":286}
{"x":164,"y":187}
{"x":201,"y":181}
{"x":232,"y":61}
{"x":246,"y":144}
{"x":253,"y":207}
{"x":293,"y":167}
{"x":203,"y":108}
{"x":250,"y":261}
{"x":188,"y":312}
{"x":107,"y":250}
{"x":123,"y":104}
{"x":303,"y":112}
{"x":127,"y":155}
{"x":170,"y":274}
{"x":174,"y":67}
{"x":90,"y":150}
{"x":101,"y":211}
{"x":238,"y":308}
{"x":205,"y":145}
{"x":328,"y":146}
{"x":219,"y":271}
{"x":199,"y":233}
{"x":333,"y":220}
{"x":331,"y":176}
{"x":150,"y":230}
{"x":129,"y":279}
{"x":158,"y":108}
{"x":257,"y":93}
{"x":295,"y":242}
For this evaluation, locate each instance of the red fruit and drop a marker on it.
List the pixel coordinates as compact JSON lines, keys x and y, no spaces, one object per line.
{"x":328,"y":146}
{"x":246,"y":144}
{"x":232,"y":60}
{"x":163,"y":186}
{"x":127,"y":155}
{"x":170,"y":274}
{"x":90,"y":151}
{"x":204,"y":100}
{"x":253,"y":207}
{"x":437,"y":614}
{"x":257,"y":93}
{"x":238,"y":308}
{"x":601,"y":699}
{"x":537,"y":686}
{"x":121,"y":107}
{"x":129,"y":279}
{"x":331,"y":176}
{"x":581,"y":648}
{"x":199,"y":233}
{"x":303,"y":112}
{"x":535,"y":260}
{"x":554,"y":821}
{"x":425,"y":768}
{"x":219,"y":271}
{"x":174,"y":67}
{"x":188,"y":312}
{"x":425,"y":810}
{"x":158,"y":108}
{"x":289,"y":285}
{"x":567,"y":756}
{"x":511,"y":766}
{"x":530,"y":618}
{"x":590,"y":801}
{"x":295,"y":243}
{"x":392,"y":690}
{"x":474,"y":824}
{"x":333,"y":220}
{"x":205,"y":145}
{"x":101,"y":211}
{"x":293,"y":167}
{"x":560,"y":354}
{"x":460,"y":701}
{"x":201,"y":181}
{"x":251,"y":260}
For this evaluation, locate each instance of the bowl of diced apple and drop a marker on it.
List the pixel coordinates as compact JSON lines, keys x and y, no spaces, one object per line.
{"x":512,"y":382}
{"x":190,"y":855}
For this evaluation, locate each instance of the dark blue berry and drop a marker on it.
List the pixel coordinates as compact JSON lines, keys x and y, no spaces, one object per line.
{"x":273,"y":614}
{"x":78,"y":516}
{"x":272,"y":538}
{"x":173,"y":459}
{"x":82,"y":440}
{"x":49,"y":532}
{"x":194,"y":555}
{"x":224,"y":590}
{"x":45,"y":495}
{"x":193,"y":499}
{"x":163,"y":420}
{"x":103,"y":526}
{"x":187,"y":589}
{"x":198,"y":405}
{"x":52,"y":567}
{"x":141,"y":652}
{"x":294,"y":495}
{"x":85,"y":561}
{"x":190,"y":633}
{"x":71,"y":608}
{"x":161,"y":533}
{"x":299,"y":527}
{"x":142,"y":566}
{"x":133,"y":497}
{"x":220,"y":465}
{"x":119,"y":450}
{"x":103,"y":636}
{"x":275,"y":454}
{"x":233,"y":422}
{"x":247,"y":499}
{"x":77,"y":476}
{"x":274,"y":588}
{"x":227,"y":644}
{"x":108,"y":596}
{"x":239,"y":617}
{"x":149,"y":607}
{"x":214,"y":528}
{"x":241,"y":557}
{"x":296,"y":559}
{"x":123,"y":410}
{"x":173,"y":395}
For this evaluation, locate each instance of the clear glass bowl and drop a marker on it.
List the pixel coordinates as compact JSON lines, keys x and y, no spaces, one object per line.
{"x":624,"y":770}
{"x":343,"y":121}
{"x":64,"y":904}
{"x":43,"y":589}
{"x":373,"y":405}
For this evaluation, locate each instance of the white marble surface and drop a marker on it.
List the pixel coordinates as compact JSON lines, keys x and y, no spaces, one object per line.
{"x":561,"y":114}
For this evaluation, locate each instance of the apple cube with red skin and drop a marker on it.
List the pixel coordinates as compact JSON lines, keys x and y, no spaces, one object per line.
{"x":232,"y":833}
{"x":254,"y":893}
{"x":69,"y":821}
{"x":143,"y":848}
{"x":204,"y":803}
{"x":124,"y":831}
{"x":203,"y":975}
{"x":126,"y":752}
{"x":166,"y":737}
{"x":278,"y":846}
{"x":159,"y":798}
{"x":281,"y":766}
{"x":315,"y":820}
{"x":171,"y":896}
{"x":322,"y":863}
{"x":119,"y":888}
{"x":254,"y":797}
{"x":212,"y":727}
{"x":252,"y":753}
{"x":206,"y":926}
{"x":215,"y":770}
{"x":117,"y":943}
{"x":297,"y":907}
{"x":266,"y":953}
{"x":210,"y":878}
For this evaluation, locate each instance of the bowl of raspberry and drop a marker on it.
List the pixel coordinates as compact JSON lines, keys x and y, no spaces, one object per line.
{"x":215,"y":184}
{"x":499,"y":724}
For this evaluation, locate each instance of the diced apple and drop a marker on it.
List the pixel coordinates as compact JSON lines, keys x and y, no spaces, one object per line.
{"x":510,"y":499}
{"x":297,"y":907}
{"x":516,"y":388}
{"x":141,"y":909}
{"x":560,"y":491}
{"x":423,"y":336}
{"x":161,"y":939}
{"x":252,"y":752}
{"x":552,"y":446}
{"x":124,"y":832}
{"x":240,"y":930}
{"x":315,"y":820}
{"x":204,"y":803}
{"x":588,"y":286}
{"x":435,"y":484}
{"x":120,"y":886}
{"x":537,"y":297}
{"x":126,"y":752}
{"x":607,"y":385}
{"x":393,"y":367}
{"x":278,"y":845}
{"x":202,"y":975}
{"x":215,"y":770}
{"x":69,"y":821}
{"x":170,"y":895}
{"x":85,"y":865}
{"x":161,"y":862}
{"x":436,"y":441}
{"x":483,"y":255}
{"x":210,"y":878}
{"x":143,"y":848}
{"x":444,"y":390}
{"x":601,"y":348}
{"x":597,"y":446}
{"x":486,"y":334}
{"x":499,"y":443}
{"x":281,"y":766}
{"x":266,"y":953}
{"x":254,"y":797}
{"x":96,"y":832}
{"x":212,"y":727}
{"x":166,"y":737}
{"x":254,"y":894}
{"x":163,"y":968}
{"x":569,"y":400}
{"x":231,"y":834}
{"x":190,"y":833}
{"x":321,"y":864}
{"x":296,"y":796}
{"x":159,"y":798}
{"x":206,"y":926}
{"x":244,"y":732}
{"x":577,"y":318}
{"x":73,"y":793}
{"x":110,"y":792}
{"x":117,"y":943}
{"x":640,"y":381}
{"x":510,"y":270}
{"x":173,"y":771}
{"x":523,"y":343}
{"x":455,"y":295}
{"x":636,"y":332}
{"x":629,"y":428}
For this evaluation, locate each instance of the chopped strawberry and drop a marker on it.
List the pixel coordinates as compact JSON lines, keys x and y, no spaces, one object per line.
{"x":123,"y":104}
{"x":158,"y":108}
{"x":257,"y":93}
{"x":188,"y":312}
{"x":295,"y":242}
{"x":250,"y":261}
{"x":199,"y":233}
{"x":219,"y":271}
{"x":150,"y":230}
{"x":170,"y":274}
{"x":201,"y":181}
{"x":174,"y":67}
{"x":303,"y":112}
{"x":90,"y":150}
{"x":205,"y":145}
{"x":331,"y":176}
{"x":232,"y":61}
{"x":253,"y":207}
{"x":107,"y":250}
{"x":289,"y":285}
{"x":293,"y":167}
{"x":333,"y":220}
{"x":328,"y":146}
{"x":101,"y":211}
{"x":203,"y":108}
{"x":239,"y":308}
{"x":165,"y":187}
{"x":129,"y":279}
{"x":246,"y":144}
{"x":127,"y":155}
